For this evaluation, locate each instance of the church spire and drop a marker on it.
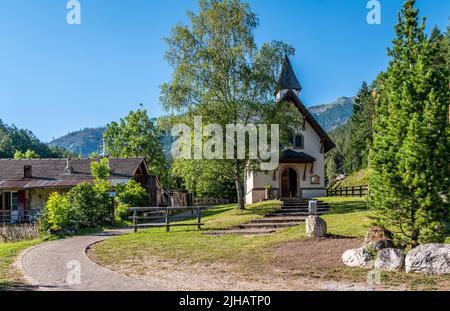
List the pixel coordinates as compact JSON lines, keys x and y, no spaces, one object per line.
{"x":288,"y":80}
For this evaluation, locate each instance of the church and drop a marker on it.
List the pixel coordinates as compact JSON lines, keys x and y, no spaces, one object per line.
{"x":301,"y":172}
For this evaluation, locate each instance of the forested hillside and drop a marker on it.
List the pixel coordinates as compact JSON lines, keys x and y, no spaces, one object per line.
{"x":13,"y":139}
{"x":83,"y":142}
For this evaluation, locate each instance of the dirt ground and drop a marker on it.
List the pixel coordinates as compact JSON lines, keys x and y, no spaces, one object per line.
{"x":299,"y":265}
{"x":314,"y":254}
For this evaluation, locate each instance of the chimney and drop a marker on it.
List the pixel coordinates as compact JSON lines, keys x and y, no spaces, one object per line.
{"x":104,"y":154}
{"x":27,"y":172}
{"x":69,"y":169}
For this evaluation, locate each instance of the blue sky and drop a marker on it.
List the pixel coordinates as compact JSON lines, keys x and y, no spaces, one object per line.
{"x":56,"y":78}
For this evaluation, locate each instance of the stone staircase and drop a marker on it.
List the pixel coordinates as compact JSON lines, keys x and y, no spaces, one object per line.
{"x":292,"y":213}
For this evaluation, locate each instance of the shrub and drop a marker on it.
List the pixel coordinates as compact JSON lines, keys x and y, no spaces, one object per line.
{"x":57,"y":215}
{"x":103,"y":203}
{"x":82,"y":200}
{"x":131,"y":194}
{"x":90,"y":203}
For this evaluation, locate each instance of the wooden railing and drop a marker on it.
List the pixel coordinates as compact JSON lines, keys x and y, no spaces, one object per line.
{"x":356,"y":191}
{"x":160,"y":217}
{"x":209,"y":201}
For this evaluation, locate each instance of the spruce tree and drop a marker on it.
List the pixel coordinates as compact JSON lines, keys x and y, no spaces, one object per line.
{"x":410,"y":152}
{"x":361,"y":123}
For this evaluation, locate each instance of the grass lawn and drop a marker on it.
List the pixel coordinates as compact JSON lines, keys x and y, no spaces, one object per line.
{"x":10,"y":277}
{"x":247,"y":256}
{"x":348,"y":218}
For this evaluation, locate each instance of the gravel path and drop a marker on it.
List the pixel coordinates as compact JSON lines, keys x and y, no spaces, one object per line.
{"x":63,"y":265}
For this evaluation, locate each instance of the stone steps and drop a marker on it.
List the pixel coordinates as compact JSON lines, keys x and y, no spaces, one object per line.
{"x":304,"y":205}
{"x":246,"y":232}
{"x":284,"y":210}
{"x":292,"y":213}
{"x":269,"y":225}
{"x":279,"y":219}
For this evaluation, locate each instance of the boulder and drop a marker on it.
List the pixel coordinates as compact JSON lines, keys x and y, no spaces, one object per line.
{"x":376,"y":235}
{"x":390,"y":259}
{"x":429,"y":259}
{"x":357,"y":258}
{"x":316,"y":227}
{"x":377,"y":246}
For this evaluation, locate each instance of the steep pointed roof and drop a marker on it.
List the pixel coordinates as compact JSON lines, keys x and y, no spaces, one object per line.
{"x":291,"y":96}
{"x":288,"y":80}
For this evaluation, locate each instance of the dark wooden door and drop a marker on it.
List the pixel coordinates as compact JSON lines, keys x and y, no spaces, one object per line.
{"x":289,"y":183}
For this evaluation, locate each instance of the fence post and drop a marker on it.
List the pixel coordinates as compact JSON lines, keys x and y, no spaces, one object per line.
{"x":199,"y":218}
{"x":360,"y":191}
{"x":135,"y":220}
{"x":167,"y":220}
{"x":353,"y":191}
{"x":346,"y":191}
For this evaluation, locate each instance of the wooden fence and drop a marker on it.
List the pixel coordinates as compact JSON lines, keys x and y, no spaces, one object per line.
{"x":356,"y":191}
{"x":160,"y":217}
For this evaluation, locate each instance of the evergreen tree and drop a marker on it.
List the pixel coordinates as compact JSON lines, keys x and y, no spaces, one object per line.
{"x":361,"y":123}
{"x":411,"y":147}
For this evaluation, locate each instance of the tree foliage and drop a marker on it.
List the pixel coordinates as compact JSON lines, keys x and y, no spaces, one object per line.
{"x":410,"y":151}
{"x":20,"y":141}
{"x":221,"y":75}
{"x":100,"y":169}
{"x":85,"y":206}
{"x":57,"y":213}
{"x":136,"y":135}
{"x":29,"y":154}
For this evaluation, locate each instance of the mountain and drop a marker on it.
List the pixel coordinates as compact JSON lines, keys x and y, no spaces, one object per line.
{"x":83,"y":142}
{"x":335,"y":114}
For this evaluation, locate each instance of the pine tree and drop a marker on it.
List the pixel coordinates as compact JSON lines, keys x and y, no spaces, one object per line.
{"x":411,"y":137}
{"x":361,"y":123}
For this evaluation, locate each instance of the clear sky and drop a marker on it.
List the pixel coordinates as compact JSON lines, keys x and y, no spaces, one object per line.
{"x":56,"y":78}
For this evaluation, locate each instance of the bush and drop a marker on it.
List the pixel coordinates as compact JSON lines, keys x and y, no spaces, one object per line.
{"x":91,"y":203}
{"x":58,"y":213}
{"x":131,"y":194}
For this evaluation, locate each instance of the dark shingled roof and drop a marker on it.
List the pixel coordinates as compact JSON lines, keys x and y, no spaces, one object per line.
{"x":290,"y":96}
{"x":50,"y":172}
{"x":291,"y":156}
{"x":288,"y":80}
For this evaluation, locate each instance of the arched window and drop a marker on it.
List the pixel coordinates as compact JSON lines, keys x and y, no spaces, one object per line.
{"x":299,"y":142}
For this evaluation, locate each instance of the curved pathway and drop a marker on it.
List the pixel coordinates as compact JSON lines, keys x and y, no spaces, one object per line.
{"x":63,"y":265}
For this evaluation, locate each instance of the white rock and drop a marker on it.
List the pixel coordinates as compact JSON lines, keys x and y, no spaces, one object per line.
{"x":390,"y":259}
{"x":429,"y":259}
{"x":357,"y":258}
{"x":316,"y":227}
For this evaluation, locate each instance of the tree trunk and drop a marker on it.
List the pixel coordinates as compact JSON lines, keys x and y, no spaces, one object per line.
{"x":239,"y":186}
